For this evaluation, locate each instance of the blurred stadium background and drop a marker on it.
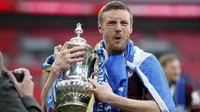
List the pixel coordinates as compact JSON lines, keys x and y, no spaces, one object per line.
{"x":29,"y":30}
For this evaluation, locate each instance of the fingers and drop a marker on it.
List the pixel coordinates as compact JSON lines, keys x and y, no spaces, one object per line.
{"x":57,"y":48}
{"x":77,"y":48}
{"x":22,"y":70}
{"x":27,"y":80}
{"x":94,"y":82}
{"x":25,"y":71}
{"x":94,"y":73}
{"x":12,"y":78}
{"x":74,"y":57}
{"x":74,"y":54}
{"x":65,"y":46}
{"x":74,"y":60}
{"x":104,"y":83}
{"x":77,"y":54}
{"x":28,"y":77}
{"x":71,"y":50}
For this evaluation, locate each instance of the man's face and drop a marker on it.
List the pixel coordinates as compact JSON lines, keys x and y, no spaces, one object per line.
{"x":116,"y":29}
{"x":173,"y":70}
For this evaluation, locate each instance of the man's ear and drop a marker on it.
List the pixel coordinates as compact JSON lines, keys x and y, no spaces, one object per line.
{"x":99,"y":28}
{"x":131,"y":29}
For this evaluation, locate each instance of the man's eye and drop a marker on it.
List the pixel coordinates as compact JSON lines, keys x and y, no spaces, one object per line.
{"x":124,"y":23}
{"x":111,"y":23}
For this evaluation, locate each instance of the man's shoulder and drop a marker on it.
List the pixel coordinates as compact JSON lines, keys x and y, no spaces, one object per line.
{"x":7,"y":88}
{"x":141,"y":56}
{"x":146,"y":61}
{"x":5,"y":83}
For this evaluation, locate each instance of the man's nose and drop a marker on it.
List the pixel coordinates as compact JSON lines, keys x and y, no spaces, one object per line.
{"x":118,"y":27}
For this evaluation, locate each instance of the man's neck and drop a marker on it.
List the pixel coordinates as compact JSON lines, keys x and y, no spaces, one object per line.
{"x":116,"y":53}
{"x":171,"y":83}
{"x":110,"y":52}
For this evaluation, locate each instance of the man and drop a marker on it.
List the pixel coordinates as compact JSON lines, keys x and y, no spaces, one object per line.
{"x":135,"y":83}
{"x":17,"y":96}
{"x":184,"y":94}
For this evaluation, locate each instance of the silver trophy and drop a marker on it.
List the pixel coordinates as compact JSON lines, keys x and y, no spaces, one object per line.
{"x":75,"y":89}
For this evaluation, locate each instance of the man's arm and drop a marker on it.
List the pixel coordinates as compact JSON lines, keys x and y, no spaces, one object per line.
{"x":104,"y":93}
{"x":152,"y":69}
{"x":52,"y":77}
{"x":132,"y":105}
{"x":43,"y":79}
{"x":31,"y":104}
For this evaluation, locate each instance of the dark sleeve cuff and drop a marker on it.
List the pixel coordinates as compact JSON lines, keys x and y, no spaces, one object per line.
{"x":30,"y":103}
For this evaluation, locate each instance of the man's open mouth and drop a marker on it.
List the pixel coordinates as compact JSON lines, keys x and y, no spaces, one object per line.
{"x":117,"y":38}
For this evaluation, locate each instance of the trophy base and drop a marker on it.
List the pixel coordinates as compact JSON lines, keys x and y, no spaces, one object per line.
{"x":72,"y":107}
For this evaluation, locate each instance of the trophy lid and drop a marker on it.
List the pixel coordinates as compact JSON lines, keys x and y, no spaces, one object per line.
{"x":78,"y":40}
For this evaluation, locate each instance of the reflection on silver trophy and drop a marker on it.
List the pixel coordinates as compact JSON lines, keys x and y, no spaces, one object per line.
{"x":75,"y":90}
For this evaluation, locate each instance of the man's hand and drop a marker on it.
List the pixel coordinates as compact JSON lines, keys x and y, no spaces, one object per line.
{"x":102,"y":92}
{"x":66,"y":56}
{"x":24,"y":88}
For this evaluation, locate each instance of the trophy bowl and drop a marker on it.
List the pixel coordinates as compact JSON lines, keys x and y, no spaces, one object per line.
{"x":75,"y":90}
{"x":75,"y":95}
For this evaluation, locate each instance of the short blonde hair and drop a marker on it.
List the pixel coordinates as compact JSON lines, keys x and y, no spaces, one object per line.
{"x":114,"y":5}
